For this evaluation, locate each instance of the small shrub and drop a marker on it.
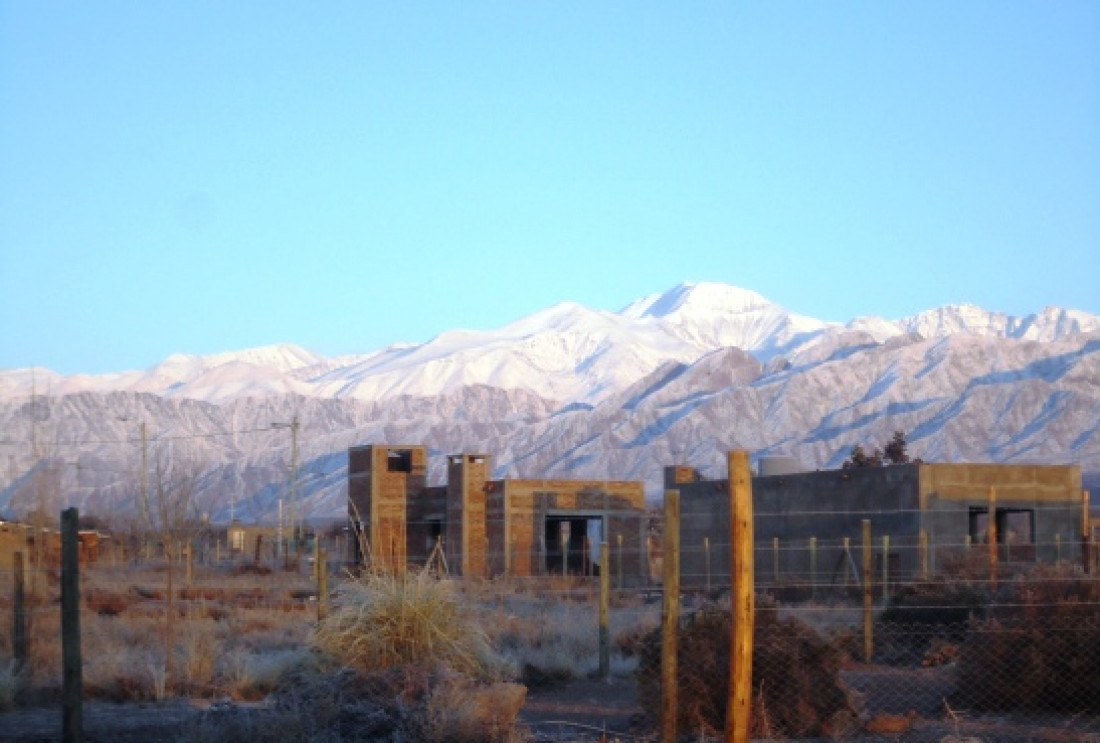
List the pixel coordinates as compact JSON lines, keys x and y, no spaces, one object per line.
{"x":459,"y":710}
{"x":410,"y":622}
{"x":251,"y":676}
{"x":796,"y":684}
{"x":1039,"y":651}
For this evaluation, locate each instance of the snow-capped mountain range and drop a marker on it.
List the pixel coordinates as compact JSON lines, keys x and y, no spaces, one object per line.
{"x":680,"y":376}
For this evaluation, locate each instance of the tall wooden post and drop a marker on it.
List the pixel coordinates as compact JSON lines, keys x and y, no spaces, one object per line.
{"x":322,"y":583}
{"x":619,"y":562}
{"x":706,"y":561}
{"x":72,"y":715}
{"x":19,"y":622}
{"x":925,"y":570}
{"x":1086,"y":532}
{"x":316,"y":557}
{"x":885,"y":568}
{"x":991,"y":536}
{"x":605,"y":610}
{"x":813,"y":567}
{"x":847,"y":559}
{"x":775,"y":561}
{"x":743,"y":598}
{"x":868,"y":593}
{"x":189,"y":553}
{"x":670,"y":617}
{"x":169,"y":618}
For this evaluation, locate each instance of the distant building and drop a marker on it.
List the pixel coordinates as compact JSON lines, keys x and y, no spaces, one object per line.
{"x":488,"y":527}
{"x":252,"y":541}
{"x":1038,"y":511}
{"x":18,"y":537}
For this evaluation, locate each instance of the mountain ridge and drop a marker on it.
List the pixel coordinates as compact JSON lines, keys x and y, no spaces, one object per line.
{"x":684,"y":323}
{"x":572,"y":392}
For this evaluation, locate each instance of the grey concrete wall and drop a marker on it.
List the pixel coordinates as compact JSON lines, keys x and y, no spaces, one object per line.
{"x":827,"y":505}
{"x":899,"y":500}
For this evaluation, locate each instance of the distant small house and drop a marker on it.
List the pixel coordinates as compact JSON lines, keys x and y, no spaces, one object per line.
{"x":252,"y":540}
{"x":14,"y":537}
{"x":18,"y":537}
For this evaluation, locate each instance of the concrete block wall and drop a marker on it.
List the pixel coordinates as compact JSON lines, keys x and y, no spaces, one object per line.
{"x":899,"y":500}
{"x":467,"y":537}
{"x":949,"y":492}
{"x":381,"y":479}
{"x":528,"y":503}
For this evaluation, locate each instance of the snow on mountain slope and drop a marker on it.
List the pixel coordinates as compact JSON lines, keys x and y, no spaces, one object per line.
{"x":714,"y":316}
{"x":678,"y":377}
{"x":566,"y":353}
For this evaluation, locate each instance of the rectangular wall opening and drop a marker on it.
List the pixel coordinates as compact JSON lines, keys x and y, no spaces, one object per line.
{"x":399,"y":460}
{"x":1015,"y":530}
{"x":573,"y":544}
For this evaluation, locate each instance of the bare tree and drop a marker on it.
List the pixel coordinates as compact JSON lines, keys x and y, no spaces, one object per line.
{"x":175,"y":518}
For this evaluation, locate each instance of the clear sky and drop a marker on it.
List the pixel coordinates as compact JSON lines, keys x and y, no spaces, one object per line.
{"x":207,"y":176}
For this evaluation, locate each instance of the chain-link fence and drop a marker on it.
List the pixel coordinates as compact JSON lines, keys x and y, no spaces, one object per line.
{"x":994,"y":644}
{"x":843,"y":646}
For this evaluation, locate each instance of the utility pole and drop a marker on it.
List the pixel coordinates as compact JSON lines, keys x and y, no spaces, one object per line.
{"x":145,"y":475}
{"x":295,"y":526}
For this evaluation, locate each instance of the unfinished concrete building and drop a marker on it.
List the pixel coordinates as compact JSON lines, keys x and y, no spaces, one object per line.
{"x":801,"y":519}
{"x":490,"y":527}
{"x":382,"y":480}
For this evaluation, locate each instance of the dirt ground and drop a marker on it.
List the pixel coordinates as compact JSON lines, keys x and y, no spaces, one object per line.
{"x":584,"y":710}
{"x":577,"y":711}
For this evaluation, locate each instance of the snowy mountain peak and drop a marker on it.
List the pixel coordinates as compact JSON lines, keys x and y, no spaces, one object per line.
{"x":697,"y":298}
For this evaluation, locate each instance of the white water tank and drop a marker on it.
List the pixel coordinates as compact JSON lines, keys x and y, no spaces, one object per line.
{"x":778,"y":464}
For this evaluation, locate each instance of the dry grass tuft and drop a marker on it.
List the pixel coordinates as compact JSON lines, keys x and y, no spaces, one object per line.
{"x":459,"y":710}
{"x":413,"y":622}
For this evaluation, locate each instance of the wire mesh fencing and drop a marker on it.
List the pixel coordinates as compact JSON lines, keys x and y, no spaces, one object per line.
{"x":992,"y":644}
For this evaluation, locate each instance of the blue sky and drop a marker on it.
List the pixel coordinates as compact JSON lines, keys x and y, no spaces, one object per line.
{"x":208,"y":176}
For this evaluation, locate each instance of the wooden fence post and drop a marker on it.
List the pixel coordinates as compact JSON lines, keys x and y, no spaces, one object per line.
{"x":775,"y":560}
{"x":925,"y":563}
{"x":991,"y":536}
{"x":885,"y":569}
{"x":813,"y":567}
{"x":189,"y":552}
{"x":322,"y":583}
{"x":316,"y":557}
{"x":868,"y":593}
{"x":1086,"y":532}
{"x":619,"y":562}
{"x":670,"y":617}
{"x":706,"y":561}
{"x":605,"y":610}
{"x":72,"y":715}
{"x":847,"y":558}
{"x":743,"y":598}
{"x":19,"y":623}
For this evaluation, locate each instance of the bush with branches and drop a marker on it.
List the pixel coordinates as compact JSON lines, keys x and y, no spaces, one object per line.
{"x":1039,"y":649}
{"x":795,"y":676}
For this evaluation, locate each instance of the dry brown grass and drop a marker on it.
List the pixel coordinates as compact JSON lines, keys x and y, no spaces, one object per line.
{"x":415,"y":621}
{"x":548,"y":628}
{"x":230,"y":633}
